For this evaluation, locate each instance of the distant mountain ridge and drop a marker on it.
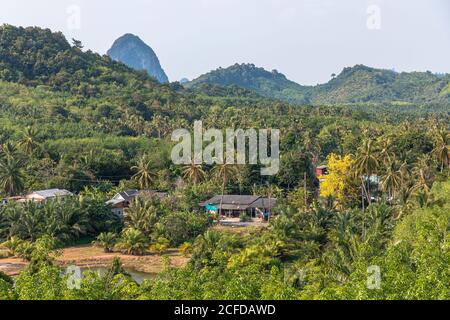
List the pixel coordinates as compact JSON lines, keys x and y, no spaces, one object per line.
{"x":34,"y":56}
{"x":358,"y":84}
{"x":135,"y":53}
{"x":248,"y":76}
{"x":364,"y":84}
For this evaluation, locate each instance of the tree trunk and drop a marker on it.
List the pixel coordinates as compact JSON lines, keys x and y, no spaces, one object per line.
{"x":364,"y":190}
{"x":221,"y":198}
{"x":306,"y":194}
{"x":364,"y":213}
{"x":363,"y":199}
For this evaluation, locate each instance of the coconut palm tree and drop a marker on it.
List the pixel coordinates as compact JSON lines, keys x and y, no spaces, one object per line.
{"x":106,"y":240}
{"x":345,"y":240}
{"x":366,"y":164}
{"x":141,"y":215}
{"x":11,"y":175}
{"x":32,"y":219}
{"x":312,"y":147}
{"x":8,"y":150}
{"x":10,"y":220}
{"x":28,"y":141}
{"x":144,"y":174}
{"x":194,"y":172}
{"x":391,"y":181}
{"x":379,"y":224}
{"x":405,"y":202}
{"x":423,"y":174}
{"x":135,"y":123}
{"x":133,"y":242}
{"x":161,"y":125}
{"x":74,"y":223}
{"x":441,"y":149}
{"x":224,"y":172}
{"x":204,"y":248}
{"x":386,"y":155}
{"x":12,"y":244}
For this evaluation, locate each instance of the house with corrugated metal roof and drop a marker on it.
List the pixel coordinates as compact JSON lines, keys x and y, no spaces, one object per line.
{"x":122,"y":200}
{"x":48,"y":194}
{"x":235,"y":205}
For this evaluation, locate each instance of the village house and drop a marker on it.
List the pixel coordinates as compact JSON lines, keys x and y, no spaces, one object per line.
{"x":39,"y":196}
{"x":45,"y":195}
{"x":123,"y":199}
{"x":235,"y":205}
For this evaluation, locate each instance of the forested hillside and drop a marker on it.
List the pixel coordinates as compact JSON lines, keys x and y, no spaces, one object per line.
{"x":35,"y":56}
{"x":73,"y":119}
{"x":81,"y":105}
{"x":358,"y":84}
{"x":364,"y":84}
{"x":269,"y":84}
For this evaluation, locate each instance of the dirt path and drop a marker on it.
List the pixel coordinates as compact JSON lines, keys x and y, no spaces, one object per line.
{"x":91,"y":257}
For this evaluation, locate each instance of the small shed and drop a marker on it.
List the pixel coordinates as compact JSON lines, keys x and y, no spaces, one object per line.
{"x":123,"y":199}
{"x":321,"y":171}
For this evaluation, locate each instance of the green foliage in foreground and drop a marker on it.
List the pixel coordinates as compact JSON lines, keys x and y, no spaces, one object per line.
{"x":281,"y":264}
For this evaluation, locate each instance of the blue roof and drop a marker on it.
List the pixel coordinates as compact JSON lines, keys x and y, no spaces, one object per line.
{"x":211,"y":207}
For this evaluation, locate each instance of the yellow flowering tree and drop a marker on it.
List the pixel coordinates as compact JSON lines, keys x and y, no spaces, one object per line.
{"x":340,"y":182}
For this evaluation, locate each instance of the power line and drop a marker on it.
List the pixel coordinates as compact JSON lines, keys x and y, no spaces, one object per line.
{"x":91,"y":181}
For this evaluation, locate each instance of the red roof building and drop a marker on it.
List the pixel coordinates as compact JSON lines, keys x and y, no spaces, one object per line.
{"x":321,"y":171}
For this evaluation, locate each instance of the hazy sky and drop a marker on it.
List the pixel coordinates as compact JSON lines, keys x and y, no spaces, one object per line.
{"x":307,"y":40}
